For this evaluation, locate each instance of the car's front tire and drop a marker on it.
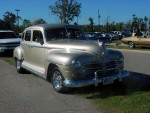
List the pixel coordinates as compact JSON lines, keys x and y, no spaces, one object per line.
{"x":57,"y":81}
{"x":131,"y":45}
{"x":18,"y":65}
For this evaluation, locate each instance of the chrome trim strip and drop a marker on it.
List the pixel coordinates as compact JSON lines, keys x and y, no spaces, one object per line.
{"x":81,"y":83}
{"x":47,"y":47}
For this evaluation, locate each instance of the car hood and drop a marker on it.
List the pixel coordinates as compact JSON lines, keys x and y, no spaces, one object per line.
{"x":10,"y":40}
{"x":76,"y":46}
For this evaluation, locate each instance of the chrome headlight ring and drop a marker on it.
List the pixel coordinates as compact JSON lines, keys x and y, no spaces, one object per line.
{"x":77,"y":63}
{"x":121,"y":63}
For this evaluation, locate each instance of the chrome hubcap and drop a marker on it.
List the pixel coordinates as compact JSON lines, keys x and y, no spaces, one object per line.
{"x":57,"y":80}
{"x":131,"y":45}
{"x":18,"y":65}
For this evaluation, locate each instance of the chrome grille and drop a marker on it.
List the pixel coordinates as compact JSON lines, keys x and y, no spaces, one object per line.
{"x":104,"y":69}
{"x":111,"y":64}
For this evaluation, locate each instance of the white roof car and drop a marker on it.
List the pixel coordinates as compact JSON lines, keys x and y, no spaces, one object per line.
{"x":8,"y":40}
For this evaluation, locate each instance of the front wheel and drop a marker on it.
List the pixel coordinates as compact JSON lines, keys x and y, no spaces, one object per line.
{"x":18,"y":65}
{"x":131,"y":45}
{"x":57,"y":81}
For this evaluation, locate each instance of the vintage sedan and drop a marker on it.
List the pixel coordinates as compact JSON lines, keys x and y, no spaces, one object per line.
{"x":136,"y":41}
{"x":60,"y":54}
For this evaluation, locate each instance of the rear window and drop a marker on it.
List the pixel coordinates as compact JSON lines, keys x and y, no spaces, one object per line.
{"x":4,"y":35}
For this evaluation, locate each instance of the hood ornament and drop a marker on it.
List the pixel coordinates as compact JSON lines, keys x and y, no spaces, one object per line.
{"x":103,"y":55}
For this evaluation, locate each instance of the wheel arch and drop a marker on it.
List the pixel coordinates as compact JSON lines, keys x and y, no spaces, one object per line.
{"x":51,"y":66}
{"x":129,"y":42}
{"x":17,"y":53}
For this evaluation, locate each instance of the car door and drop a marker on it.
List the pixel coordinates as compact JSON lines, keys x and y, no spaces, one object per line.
{"x":26,"y":44}
{"x":38,"y":52}
{"x":145,"y":41}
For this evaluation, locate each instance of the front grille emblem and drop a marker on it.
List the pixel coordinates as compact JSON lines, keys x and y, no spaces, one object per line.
{"x":103,"y":55}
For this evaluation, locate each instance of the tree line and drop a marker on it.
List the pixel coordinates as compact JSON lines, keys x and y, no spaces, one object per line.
{"x":66,"y":11}
{"x":9,"y":22}
{"x":133,"y":24}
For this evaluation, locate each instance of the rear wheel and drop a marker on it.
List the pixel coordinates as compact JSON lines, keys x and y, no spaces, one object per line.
{"x":57,"y":81}
{"x":131,"y":45}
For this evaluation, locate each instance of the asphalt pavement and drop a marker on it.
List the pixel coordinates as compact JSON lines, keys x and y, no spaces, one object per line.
{"x":137,"y":61}
{"x":27,"y":93}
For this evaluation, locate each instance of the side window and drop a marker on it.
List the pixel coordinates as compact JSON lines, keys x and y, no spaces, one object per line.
{"x":37,"y":36}
{"x":28,"y":35}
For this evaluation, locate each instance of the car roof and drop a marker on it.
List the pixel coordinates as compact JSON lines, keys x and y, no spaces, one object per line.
{"x":6,"y":31}
{"x":49,"y":26}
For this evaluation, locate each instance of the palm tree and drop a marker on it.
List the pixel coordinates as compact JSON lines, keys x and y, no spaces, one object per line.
{"x":9,"y":19}
{"x":39,"y":21}
{"x":26,"y":23}
{"x":146,"y":21}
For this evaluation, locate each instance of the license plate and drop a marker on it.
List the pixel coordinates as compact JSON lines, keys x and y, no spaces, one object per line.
{"x":108,"y":80}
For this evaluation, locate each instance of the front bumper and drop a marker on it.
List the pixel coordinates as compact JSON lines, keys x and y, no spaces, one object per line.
{"x":96,"y":81}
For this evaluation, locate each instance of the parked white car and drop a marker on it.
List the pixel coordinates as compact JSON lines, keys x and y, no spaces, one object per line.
{"x":8,"y":40}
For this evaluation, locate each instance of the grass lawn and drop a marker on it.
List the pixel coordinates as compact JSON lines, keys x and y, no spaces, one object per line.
{"x":132,"y":96}
{"x":9,"y":60}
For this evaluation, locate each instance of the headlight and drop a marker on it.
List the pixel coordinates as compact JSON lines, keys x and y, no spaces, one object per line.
{"x":121,"y":63}
{"x":77,"y":63}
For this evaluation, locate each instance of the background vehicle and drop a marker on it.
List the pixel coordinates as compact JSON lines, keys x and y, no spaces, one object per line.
{"x":8,"y":40}
{"x":98,"y":36}
{"x":136,"y":41}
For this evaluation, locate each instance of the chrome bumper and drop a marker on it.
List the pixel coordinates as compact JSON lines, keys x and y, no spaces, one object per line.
{"x":96,"y":81}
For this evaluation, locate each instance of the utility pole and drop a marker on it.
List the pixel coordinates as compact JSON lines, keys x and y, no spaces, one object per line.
{"x":99,"y":19}
{"x":17,"y":10}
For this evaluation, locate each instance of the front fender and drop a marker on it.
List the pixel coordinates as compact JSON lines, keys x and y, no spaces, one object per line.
{"x":114,"y":54}
{"x":66,"y":58}
{"x":61,"y":58}
{"x":17,"y":53}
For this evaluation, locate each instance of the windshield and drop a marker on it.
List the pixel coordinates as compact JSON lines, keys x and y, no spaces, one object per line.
{"x":64,"y":33}
{"x":4,"y":35}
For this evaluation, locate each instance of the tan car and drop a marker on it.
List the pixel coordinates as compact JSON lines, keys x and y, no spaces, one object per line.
{"x":136,"y":41}
{"x":60,"y":54}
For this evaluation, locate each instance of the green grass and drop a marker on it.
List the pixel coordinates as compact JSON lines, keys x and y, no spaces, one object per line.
{"x":132,"y":96}
{"x":138,"y":102}
{"x":9,"y":60}
{"x":129,"y":97}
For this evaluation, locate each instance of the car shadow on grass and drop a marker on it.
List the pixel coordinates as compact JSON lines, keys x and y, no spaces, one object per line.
{"x":134,"y":83}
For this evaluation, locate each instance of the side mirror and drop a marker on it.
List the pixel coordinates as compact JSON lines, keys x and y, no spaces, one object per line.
{"x":41,"y":42}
